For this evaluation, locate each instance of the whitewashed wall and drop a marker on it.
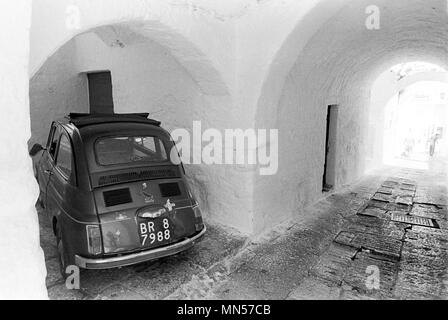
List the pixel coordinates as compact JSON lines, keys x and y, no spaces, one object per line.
{"x":338,"y":65}
{"x":21,"y":260}
{"x":258,"y":63}
{"x":56,"y":90}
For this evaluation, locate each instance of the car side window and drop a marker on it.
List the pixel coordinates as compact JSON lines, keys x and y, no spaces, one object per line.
{"x":64,"y":156}
{"x":50,"y":135}
{"x":54,"y":142}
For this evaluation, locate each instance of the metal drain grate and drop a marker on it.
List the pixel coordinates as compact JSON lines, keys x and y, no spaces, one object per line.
{"x":419,"y":221}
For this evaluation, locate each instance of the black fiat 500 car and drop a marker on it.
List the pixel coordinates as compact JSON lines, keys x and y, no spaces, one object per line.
{"x":113,"y":193}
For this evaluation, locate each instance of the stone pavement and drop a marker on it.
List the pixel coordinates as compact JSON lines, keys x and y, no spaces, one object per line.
{"x":385,"y":237}
{"x":348,"y":246}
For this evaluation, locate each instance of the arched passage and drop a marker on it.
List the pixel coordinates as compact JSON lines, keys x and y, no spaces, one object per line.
{"x":338,"y":66}
{"x":141,"y":59}
{"x":158,"y":65}
{"x":147,"y":76}
{"x":170,"y":26}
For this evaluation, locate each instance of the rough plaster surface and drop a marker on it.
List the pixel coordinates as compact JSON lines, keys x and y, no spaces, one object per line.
{"x":56,"y":90}
{"x":338,"y":65}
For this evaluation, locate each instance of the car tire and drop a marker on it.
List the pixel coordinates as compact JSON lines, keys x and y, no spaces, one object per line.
{"x":62,"y":254}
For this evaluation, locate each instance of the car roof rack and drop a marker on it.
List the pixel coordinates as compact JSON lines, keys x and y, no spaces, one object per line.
{"x":86,"y":119}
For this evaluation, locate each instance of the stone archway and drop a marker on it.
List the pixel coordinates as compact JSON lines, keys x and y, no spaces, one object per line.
{"x":171,"y":26}
{"x":337,"y":65}
{"x":111,"y":21}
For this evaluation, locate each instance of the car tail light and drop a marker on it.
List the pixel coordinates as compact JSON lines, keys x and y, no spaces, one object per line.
{"x":198,"y":215}
{"x":94,"y":242}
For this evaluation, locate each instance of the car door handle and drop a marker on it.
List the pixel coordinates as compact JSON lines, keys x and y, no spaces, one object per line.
{"x":49,"y":172}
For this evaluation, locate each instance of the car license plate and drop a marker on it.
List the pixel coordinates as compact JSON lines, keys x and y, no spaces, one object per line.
{"x":155,"y":232}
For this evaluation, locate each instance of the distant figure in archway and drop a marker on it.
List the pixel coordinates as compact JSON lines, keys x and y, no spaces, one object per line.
{"x":432,"y":143}
{"x":409,"y":143}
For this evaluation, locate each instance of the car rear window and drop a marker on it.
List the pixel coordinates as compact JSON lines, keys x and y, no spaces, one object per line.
{"x":127,"y":150}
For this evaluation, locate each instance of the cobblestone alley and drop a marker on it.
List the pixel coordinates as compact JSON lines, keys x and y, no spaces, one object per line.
{"x":383,"y":238}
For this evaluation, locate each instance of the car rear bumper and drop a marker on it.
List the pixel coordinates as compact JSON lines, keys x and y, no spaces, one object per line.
{"x":133,"y":258}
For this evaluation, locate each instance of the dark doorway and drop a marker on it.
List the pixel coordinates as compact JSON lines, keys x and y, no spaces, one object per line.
{"x":330,"y":149}
{"x":100,"y":92}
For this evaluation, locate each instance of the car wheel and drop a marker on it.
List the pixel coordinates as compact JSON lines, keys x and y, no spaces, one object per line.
{"x":62,"y":255}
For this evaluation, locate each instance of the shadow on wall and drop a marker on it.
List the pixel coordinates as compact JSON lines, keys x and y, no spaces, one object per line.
{"x":56,"y":90}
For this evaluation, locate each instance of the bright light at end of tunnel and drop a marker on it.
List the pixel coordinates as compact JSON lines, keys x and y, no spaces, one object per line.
{"x":415,"y":129}
{"x":408,"y":118}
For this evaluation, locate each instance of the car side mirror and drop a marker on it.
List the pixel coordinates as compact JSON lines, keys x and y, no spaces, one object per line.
{"x":36,"y":149}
